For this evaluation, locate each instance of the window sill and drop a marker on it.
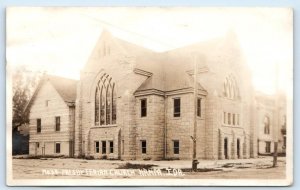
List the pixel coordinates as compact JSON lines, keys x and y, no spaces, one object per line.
{"x":232,"y":126}
{"x":104,"y":126}
{"x":200,"y":117}
{"x":176,"y":118}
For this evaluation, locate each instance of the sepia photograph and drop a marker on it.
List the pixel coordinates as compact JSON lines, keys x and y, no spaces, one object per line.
{"x":149,"y":96}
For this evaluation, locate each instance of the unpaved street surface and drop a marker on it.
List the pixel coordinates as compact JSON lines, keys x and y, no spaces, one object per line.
{"x":69,"y":168}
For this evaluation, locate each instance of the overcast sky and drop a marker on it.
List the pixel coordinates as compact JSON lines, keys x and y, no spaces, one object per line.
{"x":60,"y":40}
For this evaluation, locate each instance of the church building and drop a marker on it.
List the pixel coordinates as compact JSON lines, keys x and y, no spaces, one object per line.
{"x":132,"y":103}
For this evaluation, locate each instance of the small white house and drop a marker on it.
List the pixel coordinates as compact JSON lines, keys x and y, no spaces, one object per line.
{"x":52,"y":117}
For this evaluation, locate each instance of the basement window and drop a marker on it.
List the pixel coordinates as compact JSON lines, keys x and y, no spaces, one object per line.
{"x":97,"y":146}
{"x":144,"y":147}
{"x":103,"y":147}
{"x":268,"y":146}
{"x":111,"y":146}
{"x":176,"y":146}
{"x":57,"y":148}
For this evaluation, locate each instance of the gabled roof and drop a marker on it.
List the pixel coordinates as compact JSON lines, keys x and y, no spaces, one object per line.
{"x":66,"y":88}
{"x":107,"y":39}
{"x":173,"y":69}
{"x":169,"y":70}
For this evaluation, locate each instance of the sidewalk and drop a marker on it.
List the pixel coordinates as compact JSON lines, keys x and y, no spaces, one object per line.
{"x":261,"y":161}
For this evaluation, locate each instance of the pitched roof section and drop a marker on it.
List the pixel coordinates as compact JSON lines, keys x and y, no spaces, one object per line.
{"x":66,"y":88}
{"x":116,"y":45}
{"x":171,"y":69}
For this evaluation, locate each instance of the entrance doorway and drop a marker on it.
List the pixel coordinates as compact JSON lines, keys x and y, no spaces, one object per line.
{"x":226,"y":148}
{"x":238,"y":148}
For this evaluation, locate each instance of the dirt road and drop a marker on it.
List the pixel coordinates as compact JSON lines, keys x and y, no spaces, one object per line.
{"x":64,"y":168}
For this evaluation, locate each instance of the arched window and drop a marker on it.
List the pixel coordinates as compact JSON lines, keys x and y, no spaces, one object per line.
{"x":108,"y":105}
{"x":230,"y":88}
{"x":102,"y":108}
{"x":114,"y":105}
{"x":105,"y":101}
{"x":97,"y":104}
{"x":267,"y":125}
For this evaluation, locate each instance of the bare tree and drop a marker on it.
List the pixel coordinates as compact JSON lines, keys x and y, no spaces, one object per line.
{"x":24,"y":83}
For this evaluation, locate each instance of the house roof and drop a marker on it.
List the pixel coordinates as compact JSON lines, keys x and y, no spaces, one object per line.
{"x":66,"y":88}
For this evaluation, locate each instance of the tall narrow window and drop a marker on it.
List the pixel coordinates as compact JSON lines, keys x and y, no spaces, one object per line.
{"x":267,"y":125}
{"x":177,"y":107}
{"x":108,"y":105}
{"x":111,"y":146}
{"x":103,"y":147}
{"x":229,"y":118}
{"x":57,"y":123}
{"x":238,"y":148}
{"x":143,"y":107}
{"x":144,"y":147}
{"x":233,"y":119}
{"x":97,"y":104}
{"x":97,"y":146}
{"x":57,"y":148}
{"x":268,"y":146}
{"x":176,"y":146}
{"x":123,"y":147}
{"x":226,"y":148}
{"x":224,"y":117}
{"x":38,"y":125}
{"x":102,"y":106}
{"x":199,"y":107}
{"x":238,"y":119}
{"x":114,"y":106}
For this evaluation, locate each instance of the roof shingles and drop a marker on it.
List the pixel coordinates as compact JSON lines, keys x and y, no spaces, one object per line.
{"x":65,"y":87}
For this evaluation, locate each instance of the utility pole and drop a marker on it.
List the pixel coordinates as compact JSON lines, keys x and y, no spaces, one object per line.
{"x":194,"y":138}
{"x":276,"y":119}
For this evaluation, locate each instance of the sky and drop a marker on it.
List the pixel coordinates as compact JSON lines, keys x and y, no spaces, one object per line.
{"x":60,"y":40}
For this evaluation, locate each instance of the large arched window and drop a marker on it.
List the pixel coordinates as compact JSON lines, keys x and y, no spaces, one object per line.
{"x":267,"y":125}
{"x":105,"y":101}
{"x":230,"y":88}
